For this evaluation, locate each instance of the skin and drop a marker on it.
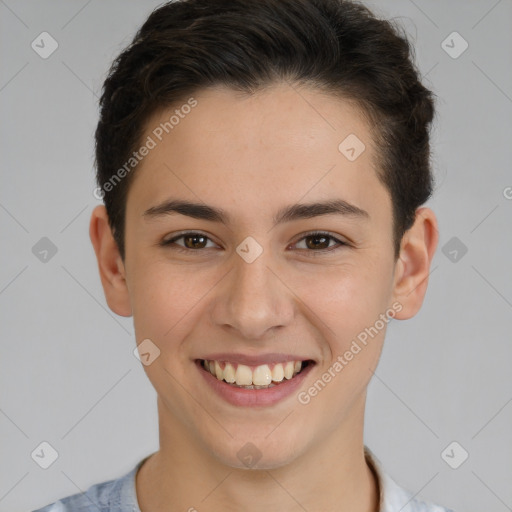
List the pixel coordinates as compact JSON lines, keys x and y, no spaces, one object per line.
{"x":251,"y":156}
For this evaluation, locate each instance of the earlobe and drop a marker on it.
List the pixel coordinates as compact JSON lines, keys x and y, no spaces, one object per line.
{"x":413,"y":265}
{"x":110,"y":264}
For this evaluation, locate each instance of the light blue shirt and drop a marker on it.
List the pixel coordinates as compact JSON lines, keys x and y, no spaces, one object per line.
{"x":120,"y":495}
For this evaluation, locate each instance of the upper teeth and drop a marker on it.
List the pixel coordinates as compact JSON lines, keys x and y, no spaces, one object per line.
{"x":244,"y":375}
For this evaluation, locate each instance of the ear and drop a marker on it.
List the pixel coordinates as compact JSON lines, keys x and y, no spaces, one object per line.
{"x":110,"y":263}
{"x":412,"y":268}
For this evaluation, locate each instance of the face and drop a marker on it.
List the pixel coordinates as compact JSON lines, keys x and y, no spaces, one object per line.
{"x":235,"y":280}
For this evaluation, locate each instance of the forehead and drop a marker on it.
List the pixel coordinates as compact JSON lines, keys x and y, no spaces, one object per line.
{"x":280,"y":116}
{"x":279,"y":145}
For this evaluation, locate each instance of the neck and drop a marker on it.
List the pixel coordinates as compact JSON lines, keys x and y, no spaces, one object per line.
{"x":183,"y":475}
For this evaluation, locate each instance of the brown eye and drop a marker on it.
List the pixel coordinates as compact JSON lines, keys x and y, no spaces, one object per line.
{"x":192,"y":241}
{"x":319,"y":242}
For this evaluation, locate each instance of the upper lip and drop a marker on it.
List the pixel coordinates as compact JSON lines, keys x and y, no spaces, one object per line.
{"x":255,"y":360}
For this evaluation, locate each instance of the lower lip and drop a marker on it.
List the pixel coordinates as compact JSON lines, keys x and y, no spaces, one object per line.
{"x":254,"y":397}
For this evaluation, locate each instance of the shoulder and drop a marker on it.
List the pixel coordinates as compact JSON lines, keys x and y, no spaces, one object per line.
{"x":397,"y":498}
{"x":393,"y":497}
{"x":116,"y":495}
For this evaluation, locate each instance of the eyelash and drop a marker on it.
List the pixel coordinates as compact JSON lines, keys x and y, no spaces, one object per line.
{"x":171,"y":242}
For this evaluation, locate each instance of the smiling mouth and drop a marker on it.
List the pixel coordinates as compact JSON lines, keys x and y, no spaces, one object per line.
{"x":254,"y":377}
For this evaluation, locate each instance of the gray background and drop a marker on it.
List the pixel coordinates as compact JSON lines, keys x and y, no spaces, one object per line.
{"x":68,"y":374}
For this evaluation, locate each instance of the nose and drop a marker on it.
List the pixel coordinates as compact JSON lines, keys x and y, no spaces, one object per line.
{"x":253,"y":300}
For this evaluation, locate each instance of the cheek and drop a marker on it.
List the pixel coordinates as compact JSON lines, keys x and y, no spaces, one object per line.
{"x":347,"y":298}
{"x":349,"y":302}
{"x":163,"y":299}
{"x":348,"y":305}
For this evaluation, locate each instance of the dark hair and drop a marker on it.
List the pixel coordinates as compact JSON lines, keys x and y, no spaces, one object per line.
{"x":336,"y":46}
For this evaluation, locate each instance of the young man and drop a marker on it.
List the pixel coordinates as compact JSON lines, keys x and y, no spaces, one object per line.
{"x":263,"y":167}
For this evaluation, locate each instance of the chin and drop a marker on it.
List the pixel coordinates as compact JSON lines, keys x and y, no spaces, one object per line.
{"x":258,"y":453}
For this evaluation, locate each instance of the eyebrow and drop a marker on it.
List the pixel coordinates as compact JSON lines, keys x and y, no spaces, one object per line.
{"x":286,"y":214}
